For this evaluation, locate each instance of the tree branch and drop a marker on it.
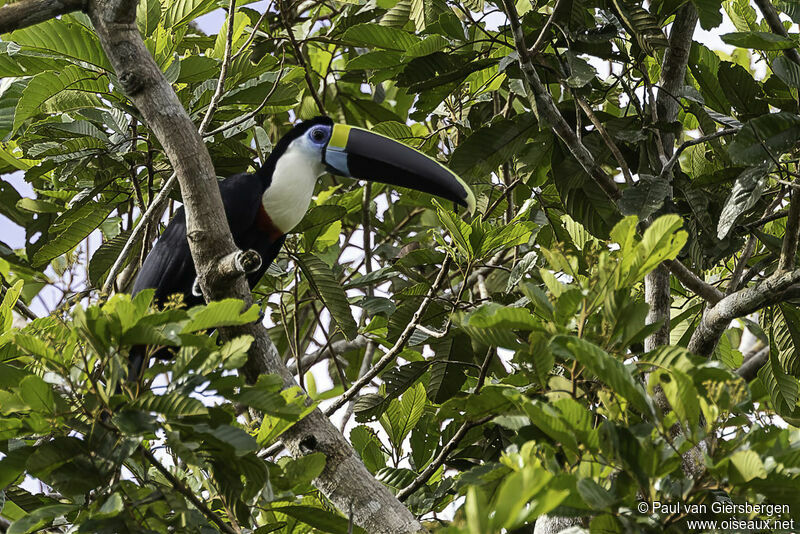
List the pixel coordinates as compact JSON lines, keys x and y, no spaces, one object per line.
{"x":745,"y":301}
{"x":387,"y":358}
{"x":186,"y":492}
{"x":665,"y":171}
{"x":774,"y":23}
{"x":750,"y":367}
{"x":223,"y":72}
{"x":344,"y":480}
{"x":549,"y":111}
{"x":29,"y":12}
{"x":673,"y":70}
{"x":441,"y":458}
{"x":694,"y":283}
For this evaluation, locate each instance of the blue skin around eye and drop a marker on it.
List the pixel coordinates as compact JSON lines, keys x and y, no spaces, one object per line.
{"x":325,"y":129}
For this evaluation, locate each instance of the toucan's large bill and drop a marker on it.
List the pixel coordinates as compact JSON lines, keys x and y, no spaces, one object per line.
{"x":365,"y":155}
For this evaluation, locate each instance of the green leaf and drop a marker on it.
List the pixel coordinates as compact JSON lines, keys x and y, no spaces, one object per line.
{"x":44,"y":86}
{"x":320,"y":519}
{"x":7,"y":306}
{"x":321,"y":279}
{"x":376,"y":60}
{"x":644,"y":198}
{"x":459,"y":231}
{"x":786,"y":327}
{"x":368,"y":446}
{"x":179,"y":12}
{"x":765,"y":138}
{"x":643,"y":25}
{"x":758,"y":40}
{"x":787,"y":70}
{"x":173,"y":404}
{"x":317,"y":220}
{"x":491,"y":146}
{"x":746,"y":191}
{"x":40,"y":517}
{"x":398,"y":15}
{"x":784,"y":390}
{"x":377,"y":36}
{"x":662,"y":241}
{"x":228,"y":312}
{"x":748,"y":465}
{"x":581,"y":72}
{"x":608,"y":369}
{"x":448,"y":372}
{"x":429,"y":45}
{"x":37,"y":394}
{"x":709,"y":12}
{"x":402,"y":414}
{"x":71,"y":228}
{"x":742,"y":90}
{"x":681,"y":395}
{"x":148,"y":14}
{"x":63,"y":38}
{"x":520,"y":269}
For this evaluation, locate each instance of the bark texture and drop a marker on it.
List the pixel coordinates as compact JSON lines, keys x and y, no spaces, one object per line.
{"x":29,"y":12}
{"x":345,"y":480}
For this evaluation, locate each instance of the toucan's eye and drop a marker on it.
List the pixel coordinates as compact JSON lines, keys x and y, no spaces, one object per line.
{"x":318,"y":135}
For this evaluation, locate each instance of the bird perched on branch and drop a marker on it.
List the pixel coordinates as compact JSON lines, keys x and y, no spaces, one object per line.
{"x":263,"y":207}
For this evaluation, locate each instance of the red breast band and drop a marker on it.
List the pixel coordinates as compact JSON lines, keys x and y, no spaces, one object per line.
{"x":266,"y":225}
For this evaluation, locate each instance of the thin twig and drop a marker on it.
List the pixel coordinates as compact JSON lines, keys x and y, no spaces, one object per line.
{"x":186,"y":492}
{"x":667,"y":168}
{"x":540,"y":40}
{"x":387,"y":358}
{"x":223,"y":73}
{"x":300,"y":58}
{"x":612,"y":146}
{"x":432,"y":467}
{"x":254,"y":32}
{"x":262,"y":105}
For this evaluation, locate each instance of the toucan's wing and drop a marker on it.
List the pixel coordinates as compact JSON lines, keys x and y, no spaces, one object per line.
{"x":241,"y":195}
{"x":169,"y":268}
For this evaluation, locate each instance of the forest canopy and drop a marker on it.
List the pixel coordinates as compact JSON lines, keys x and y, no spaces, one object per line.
{"x":614,"y":327}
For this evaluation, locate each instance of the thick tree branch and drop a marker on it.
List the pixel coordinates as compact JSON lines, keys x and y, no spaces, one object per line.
{"x":745,"y":301}
{"x":673,"y":73}
{"x":29,"y":12}
{"x":750,"y":366}
{"x":673,"y":70}
{"x":345,"y":480}
{"x":548,"y":110}
{"x":694,"y":283}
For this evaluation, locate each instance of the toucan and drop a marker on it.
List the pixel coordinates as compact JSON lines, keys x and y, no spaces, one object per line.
{"x":264,"y":206}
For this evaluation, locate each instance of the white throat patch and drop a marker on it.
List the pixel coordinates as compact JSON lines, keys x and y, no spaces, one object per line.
{"x":287,"y":198}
